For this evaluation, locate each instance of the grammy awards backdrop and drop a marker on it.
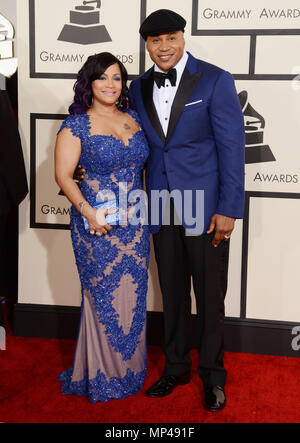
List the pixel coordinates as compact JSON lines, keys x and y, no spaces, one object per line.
{"x":258,"y":42}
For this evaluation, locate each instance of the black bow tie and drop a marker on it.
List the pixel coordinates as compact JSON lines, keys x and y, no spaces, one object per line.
{"x":160,"y":78}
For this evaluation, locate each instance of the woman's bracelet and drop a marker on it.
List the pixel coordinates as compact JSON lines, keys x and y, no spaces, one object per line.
{"x":81,"y":206}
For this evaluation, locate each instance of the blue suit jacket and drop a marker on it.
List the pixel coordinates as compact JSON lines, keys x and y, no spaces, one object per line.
{"x":205,"y":145}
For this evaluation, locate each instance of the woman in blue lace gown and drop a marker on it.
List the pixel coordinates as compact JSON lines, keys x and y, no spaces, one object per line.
{"x":106,"y":138}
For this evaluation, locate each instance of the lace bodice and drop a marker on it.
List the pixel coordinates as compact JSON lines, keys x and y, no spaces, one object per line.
{"x":107,"y":160}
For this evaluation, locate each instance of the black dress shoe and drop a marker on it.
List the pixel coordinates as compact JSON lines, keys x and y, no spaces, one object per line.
{"x":166,"y":384}
{"x":214,"y":398}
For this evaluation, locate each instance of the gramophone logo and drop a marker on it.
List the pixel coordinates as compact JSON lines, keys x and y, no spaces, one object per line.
{"x":84,"y":27}
{"x":8,"y":64}
{"x":256,"y":150}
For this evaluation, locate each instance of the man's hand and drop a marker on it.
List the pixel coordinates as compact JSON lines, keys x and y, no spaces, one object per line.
{"x":223,"y":227}
{"x":79,"y":174}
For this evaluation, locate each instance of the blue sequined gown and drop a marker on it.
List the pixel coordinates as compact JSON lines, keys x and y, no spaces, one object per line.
{"x":110,"y":357}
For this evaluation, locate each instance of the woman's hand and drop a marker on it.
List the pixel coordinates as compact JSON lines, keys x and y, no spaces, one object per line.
{"x":96,"y":220}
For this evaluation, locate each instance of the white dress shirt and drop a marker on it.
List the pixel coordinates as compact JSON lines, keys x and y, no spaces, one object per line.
{"x":164,"y":97}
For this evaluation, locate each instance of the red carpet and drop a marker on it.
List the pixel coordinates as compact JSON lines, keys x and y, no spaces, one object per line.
{"x":260,"y":389}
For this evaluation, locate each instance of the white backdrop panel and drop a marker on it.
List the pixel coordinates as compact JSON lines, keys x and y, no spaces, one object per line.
{"x":273,"y":260}
{"x":243,"y":15}
{"x":281,"y":52}
{"x":53,"y":54}
{"x":277,"y":103}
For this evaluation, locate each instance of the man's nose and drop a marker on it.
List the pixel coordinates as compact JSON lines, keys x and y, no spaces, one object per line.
{"x":164,"y":46}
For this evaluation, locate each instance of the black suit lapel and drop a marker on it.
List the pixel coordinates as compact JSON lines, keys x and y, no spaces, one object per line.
{"x":147,"y":94}
{"x":186,"y":87}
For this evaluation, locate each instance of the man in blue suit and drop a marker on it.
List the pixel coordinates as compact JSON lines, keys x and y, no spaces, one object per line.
{"x":193,"y":120}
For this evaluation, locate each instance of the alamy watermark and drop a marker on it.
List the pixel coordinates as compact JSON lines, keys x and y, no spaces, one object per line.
{"x":2,"y":339}
{"x":296,"y":339}
{"x":132,"y":207}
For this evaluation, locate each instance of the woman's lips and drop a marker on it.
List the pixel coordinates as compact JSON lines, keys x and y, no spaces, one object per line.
{"x":109,"y":93}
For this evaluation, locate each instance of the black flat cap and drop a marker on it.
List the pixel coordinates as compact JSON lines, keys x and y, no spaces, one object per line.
{"x":162,"y":21}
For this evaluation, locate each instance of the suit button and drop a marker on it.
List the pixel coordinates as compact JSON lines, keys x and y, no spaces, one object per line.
{"x":166,"y":150}
{"x":164,"y":172}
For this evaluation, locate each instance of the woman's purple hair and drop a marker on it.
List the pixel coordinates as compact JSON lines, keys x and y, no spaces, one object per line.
{"x":93,"y":68}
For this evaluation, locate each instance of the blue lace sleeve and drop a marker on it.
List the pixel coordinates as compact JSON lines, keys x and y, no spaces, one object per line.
{"x":73,"y":123}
